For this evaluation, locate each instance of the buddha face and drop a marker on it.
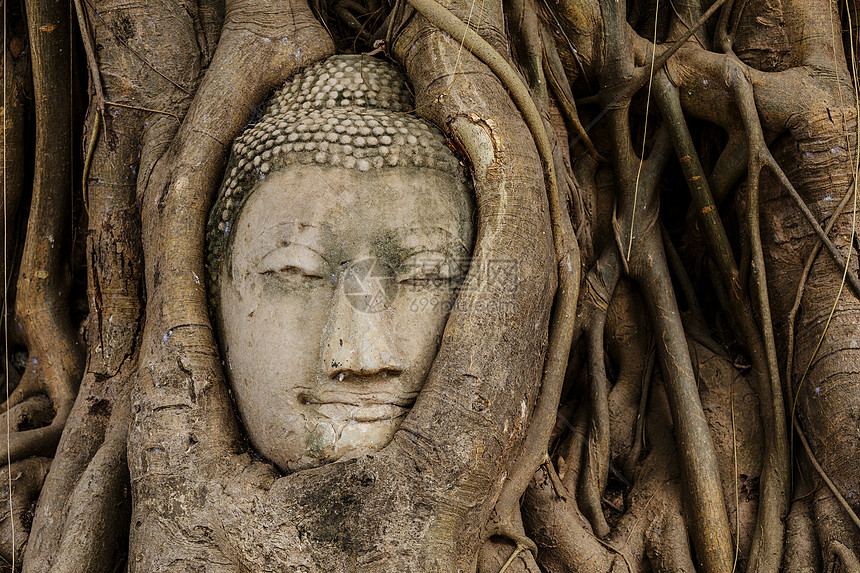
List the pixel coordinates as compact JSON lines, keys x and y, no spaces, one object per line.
{"x":332,"y":304}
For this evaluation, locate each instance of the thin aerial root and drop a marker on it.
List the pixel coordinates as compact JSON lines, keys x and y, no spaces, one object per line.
{"x":11,"y":381}
{"x":822,"y":235}
{"x":560,"y":87}
{"x":93,"y":66}
{"x":517,"y":550}
{"x":801,"y":286}
{"x":767,"y":539}
{"x":684,"y":281}
{"x":736,"y":497}
{"x":557,"y":486}
{"x":767,"y":546}
{"x":147,"y":109}
{"x":88,"y":160}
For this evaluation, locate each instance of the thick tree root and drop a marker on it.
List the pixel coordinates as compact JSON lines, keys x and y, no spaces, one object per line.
{"x":802,"y":553}
{"x":846,"y":557}
{"x":16,"y":82}
{"x":595,"y":467}
{"x":33,"y":413}
{"x":533,"y":448}
{"x":27,"y":388}
{"x":26,"y":478}
{"x":56,"y":355}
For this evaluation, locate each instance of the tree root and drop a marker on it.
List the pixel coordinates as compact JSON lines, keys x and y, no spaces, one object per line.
{"x":561,"y":531}
{"x":533,"y":448}
{"x":56,"y":355}
{"x":647,"y":265}
{"x":99,"y":507}
{"x":445,"y":20}
{"x":630,"y":349}
{"x":509,"y":525}
{"x":12,"y":155}
{"x":27,"y":477}
{"x":33,"y":413}
{"x":39,"y":441}
{"x":557,"y":486}
{"x":667,"y":548}
{"x":849,"y":561}
{"x":519,"y":549}
{"x":498,"y":556}
{"x":823,"y":475}
{"x":636,"y":79}
{"x":775,"y":474}
{"x":635,"y":453}
{"x":521,"y":18}
{"x":571,"y":448}
{"x":801,"y":286}
{"x":759,"y":156}
{"x":181,"y":377}
{"x":595,"y":470}
{"x":703,"y":491}
{"x":27,"y":387}
{"x":766,"y":554}
{"x":802,"y":554}
{"x":560,"y":89}
{"x":652,"y":533}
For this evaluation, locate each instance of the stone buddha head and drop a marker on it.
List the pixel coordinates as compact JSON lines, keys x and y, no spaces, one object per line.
{"x":336,"y":245}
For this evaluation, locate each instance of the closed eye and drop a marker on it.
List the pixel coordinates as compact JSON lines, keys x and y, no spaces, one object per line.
{"x":425,"y":279}
{"x":293,"y":262}
{"x":291,"y":270}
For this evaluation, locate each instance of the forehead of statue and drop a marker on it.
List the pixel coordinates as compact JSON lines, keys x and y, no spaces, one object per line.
{"x":347,"y":213}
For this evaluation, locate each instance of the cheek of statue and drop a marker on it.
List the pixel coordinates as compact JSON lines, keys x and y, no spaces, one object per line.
{"x":332,"y":311}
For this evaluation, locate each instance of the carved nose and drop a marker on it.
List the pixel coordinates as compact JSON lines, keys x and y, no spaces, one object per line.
{"x":359,"y":341}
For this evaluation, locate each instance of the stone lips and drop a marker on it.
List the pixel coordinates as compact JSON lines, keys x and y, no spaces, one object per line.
{"x":348,"y":111}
